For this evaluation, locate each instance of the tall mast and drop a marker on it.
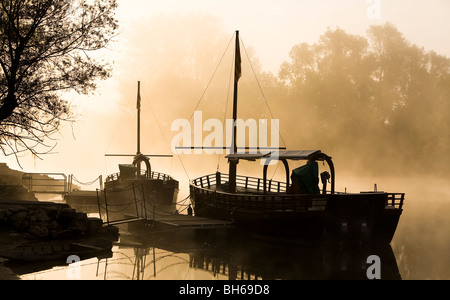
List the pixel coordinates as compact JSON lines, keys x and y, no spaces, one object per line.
{"x":237,"y":74}
{"x":138,"y":107}
{"x":139,"y":157}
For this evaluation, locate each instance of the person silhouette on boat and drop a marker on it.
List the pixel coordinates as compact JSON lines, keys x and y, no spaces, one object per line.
{"x":189,"y":210}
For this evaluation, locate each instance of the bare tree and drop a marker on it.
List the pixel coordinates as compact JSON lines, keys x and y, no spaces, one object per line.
{"x":46,"y":49}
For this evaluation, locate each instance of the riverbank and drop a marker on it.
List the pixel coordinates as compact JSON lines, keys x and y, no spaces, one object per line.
{"x":25,"y":222}
{"x":7,"y":274}
{"x":9,"y":240}
{"x":43,"y":220}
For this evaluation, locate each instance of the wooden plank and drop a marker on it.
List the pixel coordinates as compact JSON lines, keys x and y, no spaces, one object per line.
{"x":180,"y":221}
{"x":192,"y":221}
{"x":124,"y":221}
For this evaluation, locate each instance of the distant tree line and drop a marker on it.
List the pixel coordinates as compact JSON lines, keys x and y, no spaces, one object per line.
{"x":375,"y":102}
{"x":378,"y":100}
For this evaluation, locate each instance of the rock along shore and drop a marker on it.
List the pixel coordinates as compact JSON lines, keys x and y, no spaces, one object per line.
{"x":44,"y":220}
{"x":25,"y":221}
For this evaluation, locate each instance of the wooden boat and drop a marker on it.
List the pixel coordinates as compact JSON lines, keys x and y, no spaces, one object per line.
{"x":132,"y":191}
{"x":139,"y":191}
{"x":295,"y":209}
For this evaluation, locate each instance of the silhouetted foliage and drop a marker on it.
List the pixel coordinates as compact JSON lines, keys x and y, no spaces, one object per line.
{"x":45,"y":50}
{"x":375,"y":102}
{"x":379,"y":97}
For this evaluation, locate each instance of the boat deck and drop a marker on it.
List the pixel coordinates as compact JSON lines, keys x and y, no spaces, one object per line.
{"x":253,"y":194}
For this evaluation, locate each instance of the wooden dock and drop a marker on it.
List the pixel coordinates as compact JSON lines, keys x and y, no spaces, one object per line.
{"x":192,"y":222}
{"x":177,"y":221}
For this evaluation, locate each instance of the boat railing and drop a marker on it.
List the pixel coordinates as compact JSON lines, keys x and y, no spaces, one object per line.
{"x":260,"y":202}
{"x":242,"y":182}
{"x":272,"y":200}
{"x":158,"y":176}
{"x":395,"y":200}
{"x":153,"y":175}
{"x":269,"y":201}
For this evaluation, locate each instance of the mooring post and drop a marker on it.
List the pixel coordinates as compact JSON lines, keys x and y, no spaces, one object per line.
{"x":143,"y":202}
{"x":99,"y":206}
{"x":154,"y":205}
{"x":106,"y":207}
{"x":135,"y":201}
{"x":218,"y":179}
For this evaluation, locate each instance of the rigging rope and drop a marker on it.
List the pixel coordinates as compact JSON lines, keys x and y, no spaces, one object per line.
{"x":159,"y":125}
{"x":85,"y":183}
{"x":139,"y":200}
{"x":226,"y":104}
{"x":265,"y":100}
{"x":260,"y":88}
{"x":200,"y":100}
{"x":120,"y":120}
{"x":181,"y":202}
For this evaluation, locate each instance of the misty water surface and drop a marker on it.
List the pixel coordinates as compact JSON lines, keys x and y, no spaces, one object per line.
{"x":420,"y":248}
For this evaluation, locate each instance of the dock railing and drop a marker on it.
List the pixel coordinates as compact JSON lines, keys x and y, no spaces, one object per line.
{"x":48,"y":183}
{"x":104,"y":205}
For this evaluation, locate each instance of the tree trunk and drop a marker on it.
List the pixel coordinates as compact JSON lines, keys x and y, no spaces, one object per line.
{"x":9,"y":104}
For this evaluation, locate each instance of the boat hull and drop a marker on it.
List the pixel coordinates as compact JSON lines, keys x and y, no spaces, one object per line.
{"x":142,"y":198}
{"x":371,"y":217}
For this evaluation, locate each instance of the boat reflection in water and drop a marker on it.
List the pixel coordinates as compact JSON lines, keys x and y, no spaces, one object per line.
{"x":179,"y":255}
{"x":249,"y":259}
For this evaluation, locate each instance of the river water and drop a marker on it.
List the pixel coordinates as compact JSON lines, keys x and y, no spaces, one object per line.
{"x":420,"y":250}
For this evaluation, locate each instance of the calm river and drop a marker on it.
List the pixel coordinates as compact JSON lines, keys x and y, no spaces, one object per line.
{"x":420,"y":250}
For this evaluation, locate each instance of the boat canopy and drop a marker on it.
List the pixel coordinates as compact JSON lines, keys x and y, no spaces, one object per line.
{"x":280,"y":155}
{"x":283,"y":156}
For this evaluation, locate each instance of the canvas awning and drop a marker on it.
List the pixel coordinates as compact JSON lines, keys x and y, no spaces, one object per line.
{"x":281,"y":155}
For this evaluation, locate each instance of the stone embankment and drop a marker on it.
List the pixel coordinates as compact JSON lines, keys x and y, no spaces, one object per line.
{"x":47,"y":220}
{"x":25,"y":221}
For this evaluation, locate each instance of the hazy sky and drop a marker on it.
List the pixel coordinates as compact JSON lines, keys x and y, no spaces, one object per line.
{"x":271,"y":27}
